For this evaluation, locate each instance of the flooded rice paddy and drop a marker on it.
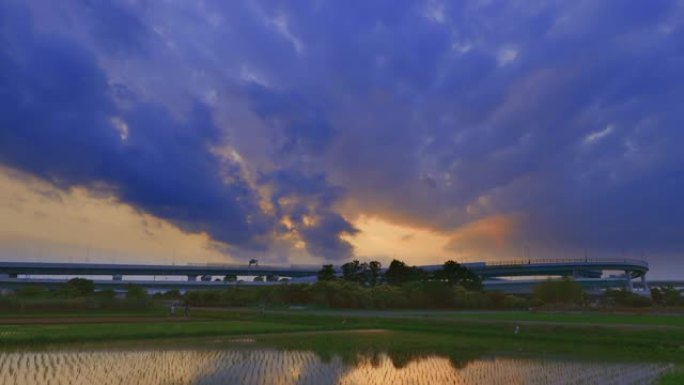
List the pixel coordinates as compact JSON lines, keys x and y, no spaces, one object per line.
{"x":245,"y":364}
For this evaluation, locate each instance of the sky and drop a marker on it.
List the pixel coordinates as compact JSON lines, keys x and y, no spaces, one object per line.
{"x":322,"y":131}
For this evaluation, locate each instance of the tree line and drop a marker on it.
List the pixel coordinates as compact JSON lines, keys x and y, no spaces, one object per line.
{"x":366,"y":285}
{"x":77,"y":294}
{"x":355,"y":285}
{"x":398,"y":273}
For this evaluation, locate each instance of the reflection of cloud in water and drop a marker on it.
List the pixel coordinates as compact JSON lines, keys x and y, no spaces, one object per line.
{"x":435,"y":370}
{"x":267,"y":366}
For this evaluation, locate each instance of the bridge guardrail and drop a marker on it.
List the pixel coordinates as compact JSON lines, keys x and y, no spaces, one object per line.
{"x":518,"y":262}
{"x":251,"y":267}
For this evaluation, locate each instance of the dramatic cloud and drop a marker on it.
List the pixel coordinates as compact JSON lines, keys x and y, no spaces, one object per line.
{"x":303,"y":204}
{"x":494,"y":124}
{"x":60,"y":121}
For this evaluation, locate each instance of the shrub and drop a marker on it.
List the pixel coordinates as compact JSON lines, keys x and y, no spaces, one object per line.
{"x":563,"y":291}
{"x":9,"y":303}
{"x":657,"y":296}
{"x":496,"y":299}
{"x":135,"y":292}
{"x":385,"y":296}
{"x":172,"y":294}
{"x":32,"y":291}
{"x":671,"y":296}
{"x":626,"y":298}
{"x":469,"y":299}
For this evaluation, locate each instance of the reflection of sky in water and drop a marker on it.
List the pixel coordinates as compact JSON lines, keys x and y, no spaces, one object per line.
{"x":267,"y":366}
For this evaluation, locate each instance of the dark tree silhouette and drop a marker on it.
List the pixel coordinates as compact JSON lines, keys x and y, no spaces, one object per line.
{"x":351,"y":270}
{"x":374,"y":270}
{"x":457,"y":274}
{"x":327,"y":273}
{"x":399,"y":273}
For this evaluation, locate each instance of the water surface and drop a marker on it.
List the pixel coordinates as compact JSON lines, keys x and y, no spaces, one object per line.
{"x":242,"y":363}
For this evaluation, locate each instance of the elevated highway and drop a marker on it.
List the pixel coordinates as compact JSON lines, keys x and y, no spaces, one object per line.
{"x":14,"y":269}
{"x":505,"y":275}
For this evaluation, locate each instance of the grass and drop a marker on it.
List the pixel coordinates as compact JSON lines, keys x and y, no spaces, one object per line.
{"x":22,"y":335}
{"x":431,"y":333}
{"x":676,"y":320}
{"x":675,"y":377}
{"x":556,"y":317}
{"x":576,"y":340}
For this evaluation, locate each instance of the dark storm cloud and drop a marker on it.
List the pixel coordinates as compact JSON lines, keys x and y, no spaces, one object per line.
{"x":437,"y":114}
{"x":116,"y":26}
{"x":59,"y":121}
{"x":565,"y":113}
{"x":302,"y":124}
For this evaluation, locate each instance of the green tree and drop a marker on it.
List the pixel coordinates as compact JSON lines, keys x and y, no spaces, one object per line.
{"x":272,"y":278}
{"x":79,"y":287}
{"x":327,"y":273}
{"x":135,"y":292}
{"x":230,"y":278}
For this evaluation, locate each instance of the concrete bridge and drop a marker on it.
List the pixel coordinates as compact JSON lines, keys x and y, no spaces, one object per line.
{"x":589,"y":272}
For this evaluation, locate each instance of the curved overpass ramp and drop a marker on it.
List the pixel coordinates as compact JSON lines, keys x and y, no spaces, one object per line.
{"x":577,"y":268}
{"x":589,"y":272}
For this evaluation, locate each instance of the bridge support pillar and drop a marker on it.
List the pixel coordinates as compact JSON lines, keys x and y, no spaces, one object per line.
{"x":628,"y":281}
{"x":192,"y":278}
{"x":645,"y":284}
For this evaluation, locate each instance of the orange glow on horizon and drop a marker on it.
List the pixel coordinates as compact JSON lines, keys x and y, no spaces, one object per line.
{"x":43,"y":223}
